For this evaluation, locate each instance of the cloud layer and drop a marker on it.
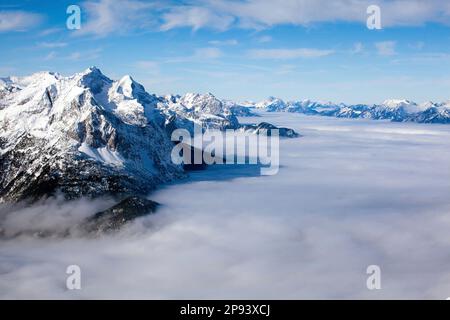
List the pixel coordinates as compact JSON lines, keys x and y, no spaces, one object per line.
{"x":349,"y":194}
{"x":104,"y":17}
{"x":107,"y":16}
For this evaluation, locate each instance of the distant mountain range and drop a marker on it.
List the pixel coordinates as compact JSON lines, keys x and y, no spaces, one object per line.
{"x":395,"y":110}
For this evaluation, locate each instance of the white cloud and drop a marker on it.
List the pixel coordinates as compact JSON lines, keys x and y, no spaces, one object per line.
{"x":18,"y":20}
{"x":85,"y":55}
{"x":222,"y":14}
{"x":198,"y":54}
{"x":419,"y":45}
{"x":428,"y":58}
{"x":50,"y":56}
{"x":386,"y":48}
{"x":285,"y":69}
{"x":358,"y":47}
{"x":284,"y":54}
{"x":50,"y":31}
{"x":148,"y":66}
{"x":120,"y":16}
{"x":196,"y":18}
{"x":207,"y":53}
{"x":264,"y":39}
{"x":52,"y":44}
{"x":117,"y":16}
{"x":230,"y":42}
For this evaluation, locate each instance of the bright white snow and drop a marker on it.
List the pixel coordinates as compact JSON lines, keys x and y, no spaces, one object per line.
{"x":104,"y":154}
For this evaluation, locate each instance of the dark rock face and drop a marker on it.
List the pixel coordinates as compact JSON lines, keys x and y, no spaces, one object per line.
{"x":115,"y":217}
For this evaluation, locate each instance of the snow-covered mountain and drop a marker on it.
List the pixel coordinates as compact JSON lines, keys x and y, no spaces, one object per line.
{"x":239,"y":109}
{"x":87,"y":135}
{"x":201,"y":109}
{"x":271,"y":104}
{"x":82,"y":135}
{"x":400,"y":110}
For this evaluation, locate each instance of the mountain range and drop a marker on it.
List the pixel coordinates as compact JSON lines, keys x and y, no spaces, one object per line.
{"x":88,"y":135}
{"x":399,"y":110}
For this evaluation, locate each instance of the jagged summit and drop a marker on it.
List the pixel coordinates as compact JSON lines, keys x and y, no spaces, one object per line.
{"x":93,"y":71}
{"x":271,"y":104}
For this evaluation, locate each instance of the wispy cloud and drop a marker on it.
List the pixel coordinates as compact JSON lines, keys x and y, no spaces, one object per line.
{"x":386,"y":48}
{"x":419,"y":45}
{"x":258,"y":14}
{"x":205,"y":54}
{"x":208,"y":53}
{"x":358,"y":47}
{"x":284,"y":54}
{"x":18,"y":20}
{"x":106,"y":17}
{"x":52,"y":44}
{"x":148,"y":66}
{"x":50,"y":56}
{"x":286,"y":69}
{"x":229,"y":42}
{"x":85,"y":55}
{"x":117,"y":16}
{"x":49,"y":31}
{"x":426,"y":57}
{"x":264,"y":39}
{"x":196,"y":18}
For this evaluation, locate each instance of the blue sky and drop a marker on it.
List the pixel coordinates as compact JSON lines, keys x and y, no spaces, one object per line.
{"x":252,"y":49}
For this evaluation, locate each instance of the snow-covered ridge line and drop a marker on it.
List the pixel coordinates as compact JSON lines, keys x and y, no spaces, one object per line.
{"x":400,"y":110}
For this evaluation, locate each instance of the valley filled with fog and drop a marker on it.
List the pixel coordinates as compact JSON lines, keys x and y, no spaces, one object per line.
{"x":349,"y":193}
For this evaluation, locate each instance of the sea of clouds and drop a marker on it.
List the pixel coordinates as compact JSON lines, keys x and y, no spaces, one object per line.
{"x":349,"y":194}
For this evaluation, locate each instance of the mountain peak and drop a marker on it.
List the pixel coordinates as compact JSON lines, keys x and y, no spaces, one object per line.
{"x":129,"y":87}
{"x":93,"y":78}
{"x":92,"y":69}
{"x":396,"y":102}
{"x":41,"y":78}
{"x":92,"y":72}
{"x":127,"y":78}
